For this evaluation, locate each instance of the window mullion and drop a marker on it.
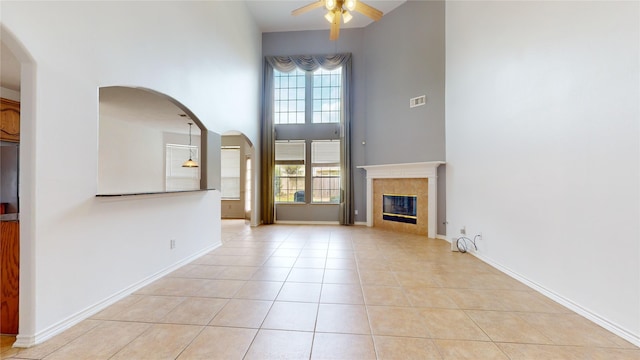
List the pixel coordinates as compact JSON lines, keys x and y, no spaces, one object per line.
{"x":308,"y":98}
{"x":308,"y":116}
{"x":308,"y":194}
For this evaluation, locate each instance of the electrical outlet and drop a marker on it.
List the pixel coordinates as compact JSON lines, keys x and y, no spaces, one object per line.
{"x":417,"y":101}
{"x":356,"y":212}
{"x":172,"y":244}
{"x":463,"y":230}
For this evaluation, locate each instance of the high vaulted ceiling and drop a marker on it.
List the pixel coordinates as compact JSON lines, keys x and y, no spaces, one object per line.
{"x":270,"y":16}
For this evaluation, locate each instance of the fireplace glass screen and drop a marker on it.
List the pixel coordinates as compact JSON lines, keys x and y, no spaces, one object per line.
{"x":400,"y":208}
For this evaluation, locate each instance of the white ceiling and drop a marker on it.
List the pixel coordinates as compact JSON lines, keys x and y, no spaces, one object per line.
{"x":274,"y":16}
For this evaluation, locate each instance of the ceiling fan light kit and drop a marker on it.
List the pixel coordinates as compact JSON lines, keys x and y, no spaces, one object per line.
{"x":340,"y":8}
{"x":346,"y":16}
{"x":350,"y":4}
{"x":330,"y":16}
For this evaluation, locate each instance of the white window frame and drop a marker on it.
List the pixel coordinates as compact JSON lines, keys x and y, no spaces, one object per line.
{"x":233,"y":154}
{"x":318,"y":163}
{"x":291,"y":160}
{"x":178,"y":178}
{"x":320,"y":114}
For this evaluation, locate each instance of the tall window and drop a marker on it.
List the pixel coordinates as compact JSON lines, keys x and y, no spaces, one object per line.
{"x":307,"y":110}
{"x":290,"y":171}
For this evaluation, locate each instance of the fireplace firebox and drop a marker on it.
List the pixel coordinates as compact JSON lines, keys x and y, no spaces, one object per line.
{"x":400,"y":208}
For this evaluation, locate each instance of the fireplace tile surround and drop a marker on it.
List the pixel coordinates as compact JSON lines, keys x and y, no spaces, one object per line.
{"x":418,"y":187}
{"x":412,"y":179}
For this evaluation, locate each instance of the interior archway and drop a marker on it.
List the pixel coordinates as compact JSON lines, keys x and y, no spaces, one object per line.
{"x":239,"y":196}
{"x":130,"y":116}
{"x":24,"y":75}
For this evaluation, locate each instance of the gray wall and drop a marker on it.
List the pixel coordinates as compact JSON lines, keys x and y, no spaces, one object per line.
{"x":405,"y":58}
{"x":397,"y":58}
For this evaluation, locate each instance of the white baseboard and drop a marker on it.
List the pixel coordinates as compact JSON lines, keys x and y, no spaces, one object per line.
{"x":287,"y":222}
{"x":360,"y":223}
{"x":451,"y":241}
{"x":599,"y":320}
{"x":25,"y":341}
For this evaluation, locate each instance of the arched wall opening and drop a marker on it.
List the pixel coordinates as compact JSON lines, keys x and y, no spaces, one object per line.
{"x":27,"y":186}
{"x":238,"y":178}
{"x":171,"y":134}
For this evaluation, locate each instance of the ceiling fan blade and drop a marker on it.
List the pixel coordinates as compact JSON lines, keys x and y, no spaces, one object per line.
{"x":335,"y":26}
{"x":304,"y":9}
{"x":368,"y":10}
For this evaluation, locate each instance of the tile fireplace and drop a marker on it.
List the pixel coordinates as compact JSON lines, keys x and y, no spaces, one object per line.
{"x":392,"y":186}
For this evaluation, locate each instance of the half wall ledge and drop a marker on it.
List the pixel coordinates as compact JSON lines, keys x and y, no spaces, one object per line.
{"x":421,"y":170}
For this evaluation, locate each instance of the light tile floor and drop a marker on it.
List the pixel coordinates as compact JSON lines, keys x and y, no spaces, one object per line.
{"x":331,"y":292}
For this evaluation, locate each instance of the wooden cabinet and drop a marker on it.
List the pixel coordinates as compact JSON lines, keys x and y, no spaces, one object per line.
{"x":9,"y":120}
{"x":9,"y":276}
{"x":9,"y":233}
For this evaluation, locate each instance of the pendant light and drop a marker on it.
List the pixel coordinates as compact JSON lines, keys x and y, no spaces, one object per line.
{"x":190,"y":163}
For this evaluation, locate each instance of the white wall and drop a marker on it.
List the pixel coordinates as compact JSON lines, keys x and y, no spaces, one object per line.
{"x":79,"y":251}
{"x":131,"y":157}
{"x":543,"y":147}
{"x":9,"y":94}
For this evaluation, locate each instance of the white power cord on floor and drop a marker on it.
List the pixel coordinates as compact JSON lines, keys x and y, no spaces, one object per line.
{"x":461,"y":243}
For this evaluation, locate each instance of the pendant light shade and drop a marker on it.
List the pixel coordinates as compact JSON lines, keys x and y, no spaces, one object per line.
{"x":190,"y":163}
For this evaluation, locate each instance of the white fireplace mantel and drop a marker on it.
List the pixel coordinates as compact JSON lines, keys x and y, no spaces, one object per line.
{"x":420,"y":170}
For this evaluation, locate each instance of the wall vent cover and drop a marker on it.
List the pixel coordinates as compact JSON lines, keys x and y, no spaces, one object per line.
{"x":417,"y":101}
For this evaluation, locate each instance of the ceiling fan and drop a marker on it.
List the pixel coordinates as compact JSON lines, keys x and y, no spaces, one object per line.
{"x":340,"y":9}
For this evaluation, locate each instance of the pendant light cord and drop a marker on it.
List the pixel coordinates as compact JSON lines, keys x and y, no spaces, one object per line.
{"x":190,"y":154}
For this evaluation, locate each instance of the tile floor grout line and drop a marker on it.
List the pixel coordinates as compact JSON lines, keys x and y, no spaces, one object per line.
{"x":483,"y":331}
{"x":246,"y":352}
{"x":260,"y":327}
{"x":366,"y":308}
